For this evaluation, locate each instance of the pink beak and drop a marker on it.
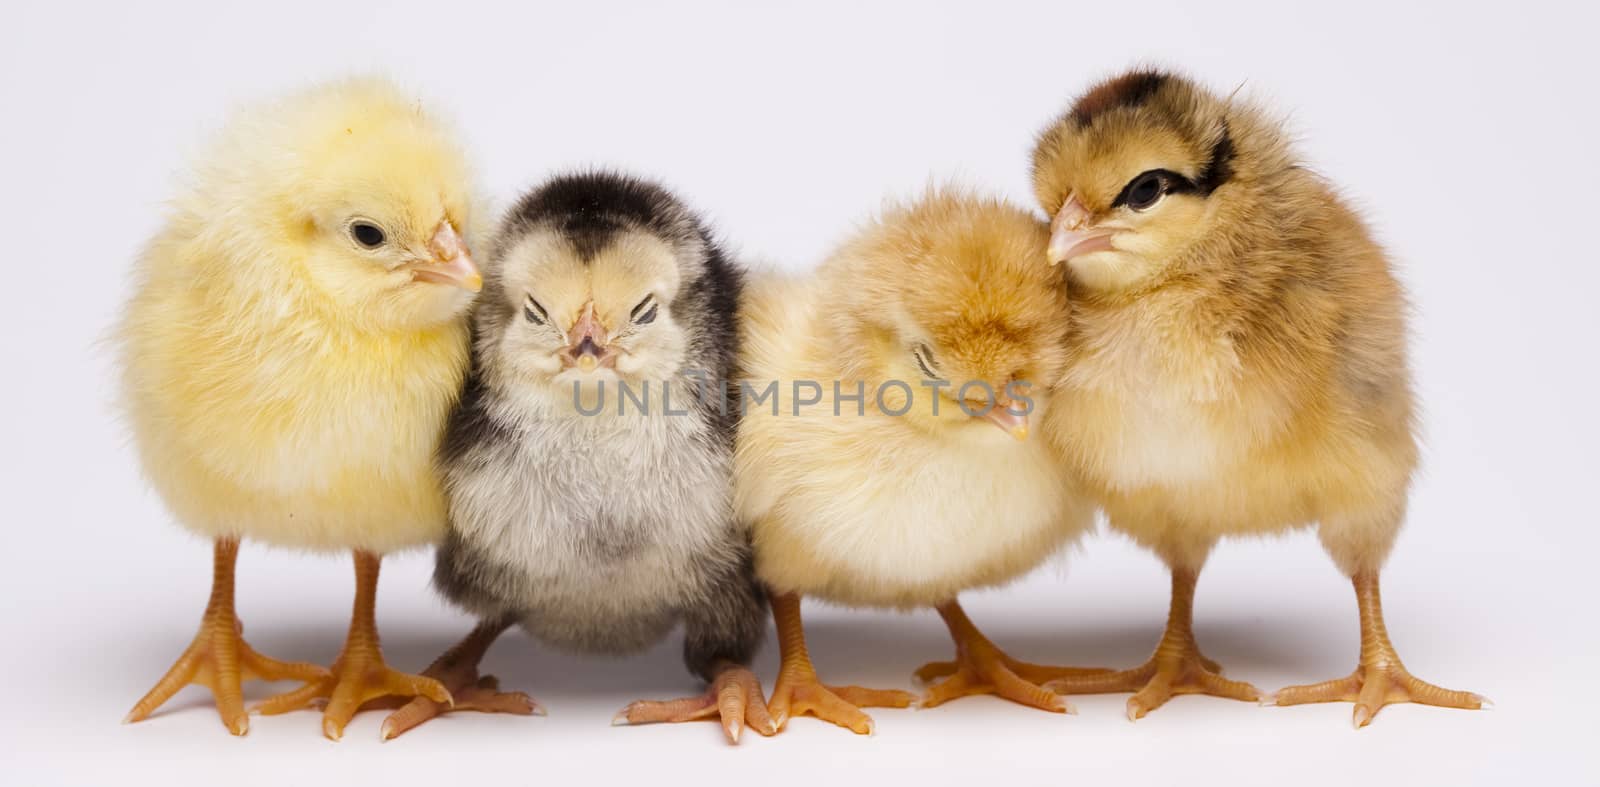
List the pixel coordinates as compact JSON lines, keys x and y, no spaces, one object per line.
{"x":586,"y":342}
{"x":452,"y":263}
{"x":1011,"y":422}
{"x":1070,"y":236}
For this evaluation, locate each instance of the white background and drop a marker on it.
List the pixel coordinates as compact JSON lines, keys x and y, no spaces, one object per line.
{"x":1466,"y":133}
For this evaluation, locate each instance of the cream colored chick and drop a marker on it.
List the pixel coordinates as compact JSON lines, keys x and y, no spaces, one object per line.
{"x":940,"y":320}
{"x":293,"y":345}
{"x":1238,"y":362}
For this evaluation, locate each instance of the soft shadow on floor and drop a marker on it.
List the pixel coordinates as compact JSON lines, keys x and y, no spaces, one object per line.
{"x":871,"y":648}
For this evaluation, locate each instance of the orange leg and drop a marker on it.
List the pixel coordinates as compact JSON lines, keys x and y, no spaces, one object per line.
{"x":798,"y":692}
{"x":1380,"y":679}
{"x":981,"y":668}
{"x":1177,"y":667}
{"x":359,"y":674}
{"x":458,"y":670}
{"x":734,"y":698}
{"x":219,"y":658}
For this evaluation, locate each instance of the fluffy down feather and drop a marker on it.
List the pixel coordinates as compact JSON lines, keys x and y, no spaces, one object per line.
{"x":601,"y":532}
{"x":282,"y":383}
{"x":1238,"y":355}
{"x":870,"y":508}
{"x":1238,"y":362}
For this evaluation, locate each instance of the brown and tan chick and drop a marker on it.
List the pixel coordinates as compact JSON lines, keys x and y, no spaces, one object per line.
{"x":1238,"y":363}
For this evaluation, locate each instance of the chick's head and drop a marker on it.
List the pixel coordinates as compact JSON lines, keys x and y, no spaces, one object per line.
{"x":943,"y":306}
{"x":370,"y":196}
{"x":585,"y":287}
{"x":1139,"y":171}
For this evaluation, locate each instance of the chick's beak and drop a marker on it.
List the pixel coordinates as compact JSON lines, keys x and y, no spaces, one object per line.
{"x":1072,"y":236}
{"x":451,"y":264}
{"x":1008,"y":420}
{"x":587,"y":346}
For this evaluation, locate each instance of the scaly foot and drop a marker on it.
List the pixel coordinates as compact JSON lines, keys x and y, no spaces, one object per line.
{"x":359,"y":674}
{"x":457,"y":669}
{"x":1170,"y":672}
{"x":1372,"y":687}
{"x":981,"y":668}
{"x":469,"y":692}
{"x":1032,"y":673}
{"x":1177,"y":667}
{"x":798,"y":692}
{"x":1381,"y":679}
{"x":734,"y":698}
{"x":219,"y":658}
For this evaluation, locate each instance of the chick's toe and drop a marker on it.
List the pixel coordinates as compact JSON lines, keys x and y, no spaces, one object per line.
{"x":1172,"y":671}
{"x":219,"y":658}
{"x":360,"y":674}
{"x":734,"y":698}
{"x":798,"y":692}
{"x":1177,"y":666}
{"x":457,"y":669}
{"x":982,"y":668}
{"x":1380,"y":679}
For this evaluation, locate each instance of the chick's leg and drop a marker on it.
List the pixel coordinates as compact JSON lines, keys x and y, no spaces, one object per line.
{"x":218,"y":658}
{"x":1380,"y":679}
{"x":359,"y":674}
{"x":1177,"y":667}
{"x":457,"y":669}
{"x":721,"y":634}
{"x":981,"y":668}
{"x":798,"y":692}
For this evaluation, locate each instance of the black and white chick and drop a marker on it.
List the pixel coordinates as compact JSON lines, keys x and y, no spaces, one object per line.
{"x":588,"y":464}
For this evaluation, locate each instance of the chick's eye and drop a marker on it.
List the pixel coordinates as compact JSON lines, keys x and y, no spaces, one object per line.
{"x":1143,"y":192}
{"x":645,"y":312}
{"x":924,"y":358}
{"x":534,"y":312}
{"x":367,"y":234}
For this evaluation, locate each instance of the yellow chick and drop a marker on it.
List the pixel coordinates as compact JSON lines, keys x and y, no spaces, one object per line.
{"x":1238,"y":363}
{"x":869,"y":461}
{"x":293,"y":344}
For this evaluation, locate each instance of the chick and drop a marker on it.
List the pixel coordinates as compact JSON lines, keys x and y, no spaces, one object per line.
{"x":884,"y":480}
{"x":295,"y":340}
{"x":1238,"y":362}
{"x":588,"y":465}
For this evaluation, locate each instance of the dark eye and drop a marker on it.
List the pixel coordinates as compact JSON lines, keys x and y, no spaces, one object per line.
{"x":534,"y":312}
{"x":1143,"y":191}
{"x":924,"y":358}
{"x":645,"y":312}
{"x":367,"y":234}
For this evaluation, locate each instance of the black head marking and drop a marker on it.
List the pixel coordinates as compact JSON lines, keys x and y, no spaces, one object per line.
{"x":592,"y":209}
{"x":1219,"y":165}
{"x":1129,"y":90}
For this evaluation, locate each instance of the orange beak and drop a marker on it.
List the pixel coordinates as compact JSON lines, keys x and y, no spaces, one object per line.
{"x":1071,"y":236}
{"x":586,"y":343}
{"x":452,"y":263}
